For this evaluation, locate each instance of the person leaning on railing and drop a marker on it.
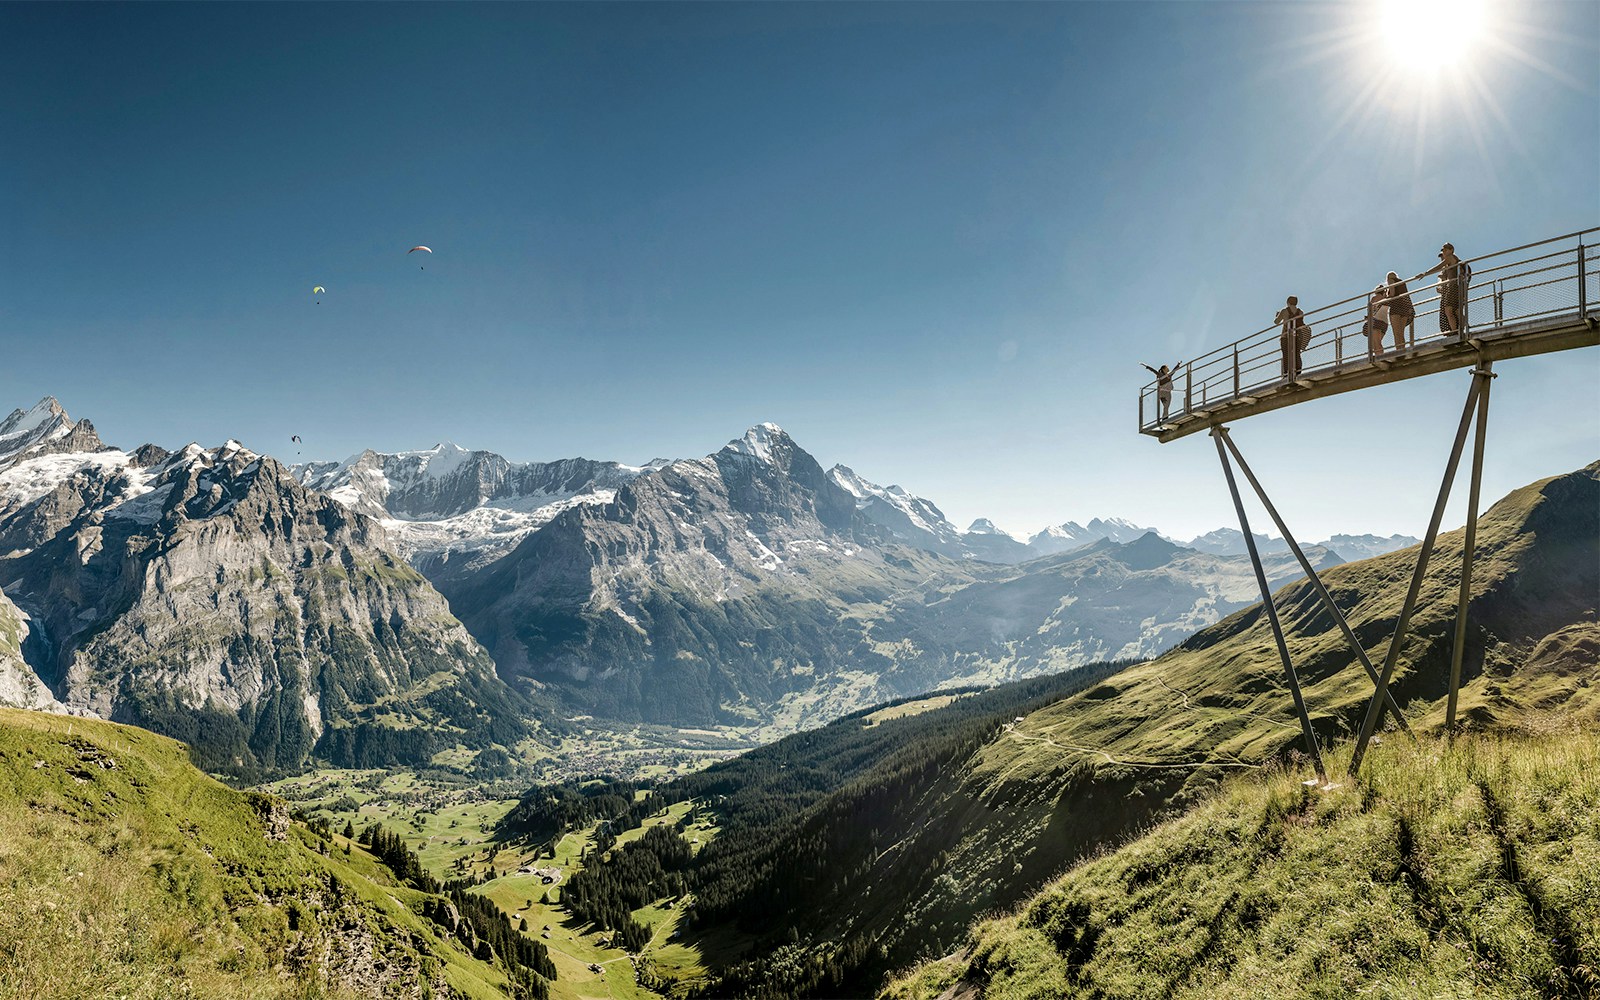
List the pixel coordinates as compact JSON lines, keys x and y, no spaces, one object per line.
{"x":1454,"y":274}
{"x":1402,"y":313}
{"x":1377,"y":322}
{"x":1295,"y":335}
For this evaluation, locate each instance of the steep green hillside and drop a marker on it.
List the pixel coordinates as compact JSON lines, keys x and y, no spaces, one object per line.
{"x":125,"y":872}
{"x":1444,"y":871}
{"x":986,"y":829}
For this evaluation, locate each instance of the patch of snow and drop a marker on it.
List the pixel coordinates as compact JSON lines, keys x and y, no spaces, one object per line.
{"x":32,"y":478}
{"x":765,"y":557}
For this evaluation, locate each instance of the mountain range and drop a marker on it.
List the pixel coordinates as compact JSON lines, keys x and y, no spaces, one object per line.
{"x":383,"y":608}
{"x":206,"y":594}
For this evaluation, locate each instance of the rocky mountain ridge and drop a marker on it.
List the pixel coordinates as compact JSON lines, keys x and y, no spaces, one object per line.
{"x":207,"y":593}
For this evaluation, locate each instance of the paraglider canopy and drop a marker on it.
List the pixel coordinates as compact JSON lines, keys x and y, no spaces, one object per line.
{"x":416,"y":248}
{"x":318,"y":290}
{"x":295,"y":438}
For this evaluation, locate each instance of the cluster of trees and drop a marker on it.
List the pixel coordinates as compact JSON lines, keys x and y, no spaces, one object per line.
{"x":494,"y":928}
{"x":547,"y":811}
{"x":607,"y":892}
{"x":391,"y":849}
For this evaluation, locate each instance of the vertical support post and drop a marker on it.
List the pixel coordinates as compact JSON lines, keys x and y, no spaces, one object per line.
{"x":1482,"y":374}
{"x":1375,"y":707}
{"x":1311,"y":574}
{"x":1500,"y":301}
{"x":1219,"y":434}
{"x":1141,"y":410}
{"x":1188,"y":389}
{"x":1583,"y":282}
{"x":1338,"y":349}
{"x":1236,"y":371}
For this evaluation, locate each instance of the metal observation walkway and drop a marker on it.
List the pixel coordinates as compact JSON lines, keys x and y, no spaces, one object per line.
{"x":1528,"y":300}
{"x":1532,"y":299}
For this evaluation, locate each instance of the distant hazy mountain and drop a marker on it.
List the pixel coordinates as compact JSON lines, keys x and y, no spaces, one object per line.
{"x":1072,"y":535}
{"x":208,"y":595}
{"x":1357,"y":547}
{"x":1230,"y":542}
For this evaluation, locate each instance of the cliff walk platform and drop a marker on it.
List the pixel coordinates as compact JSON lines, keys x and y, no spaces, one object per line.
{"x":1532,"y":299}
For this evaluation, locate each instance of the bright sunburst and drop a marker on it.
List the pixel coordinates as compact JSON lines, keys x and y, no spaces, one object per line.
{"x":1426,"y":36}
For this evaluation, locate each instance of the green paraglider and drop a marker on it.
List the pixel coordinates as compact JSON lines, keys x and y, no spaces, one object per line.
{"x":318,"y":291}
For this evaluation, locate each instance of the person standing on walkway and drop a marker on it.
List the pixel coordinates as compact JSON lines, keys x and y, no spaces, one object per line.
{"x":1291,"y":323}
{"x":1163,"y":389}
{"x":1402,"y":314}
{"x":1377,"y":322}
{"x":1453,"y":276}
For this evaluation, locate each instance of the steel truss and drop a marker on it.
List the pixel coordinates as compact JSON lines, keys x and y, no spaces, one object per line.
{"x":1382,"y":697}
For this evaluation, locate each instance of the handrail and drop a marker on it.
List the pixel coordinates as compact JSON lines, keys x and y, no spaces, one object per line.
{"x":1520,"y":289}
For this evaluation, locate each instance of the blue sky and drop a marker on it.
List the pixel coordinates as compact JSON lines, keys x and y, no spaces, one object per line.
{"x":933,"y":242}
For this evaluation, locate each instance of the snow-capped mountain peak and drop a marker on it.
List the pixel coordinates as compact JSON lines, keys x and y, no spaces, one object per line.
{"x":984,"y":526}
{"x":44,"y":429}
{"x":1071,"y":535}
{"x":758,"y":442}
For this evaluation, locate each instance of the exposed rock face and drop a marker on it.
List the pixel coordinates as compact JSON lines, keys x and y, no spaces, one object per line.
{"x":212,"y":597}
{"x":705,"y":591}
{"x":20,"y":687}
{"x":274,"y":815}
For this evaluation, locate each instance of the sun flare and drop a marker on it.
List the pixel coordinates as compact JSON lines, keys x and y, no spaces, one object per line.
{"x":1427,"y":36}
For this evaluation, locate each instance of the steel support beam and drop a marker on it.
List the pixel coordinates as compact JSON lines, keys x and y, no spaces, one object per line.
{"x":1482,"y":375}
{"x":1311,"y":574}
{"x":1375,"y":706}
{"x":1219,"y":434}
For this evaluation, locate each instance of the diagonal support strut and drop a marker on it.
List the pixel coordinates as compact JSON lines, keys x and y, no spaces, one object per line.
{"x":1311,"y":574}
{"x":1375,"y":706}
{"x":1469,"y":543}
{"x":1219,"y":434}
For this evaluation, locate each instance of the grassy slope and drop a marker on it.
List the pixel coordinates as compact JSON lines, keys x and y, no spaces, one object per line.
{"x":1221,"y":696}
{"x":1159,"y":736}
{"x":1471,"y":870}
{"x":1093,"y":768}
{"x":126,"y":872}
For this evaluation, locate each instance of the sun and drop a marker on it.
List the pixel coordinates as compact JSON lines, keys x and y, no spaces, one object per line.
{"x":1427,"y":36}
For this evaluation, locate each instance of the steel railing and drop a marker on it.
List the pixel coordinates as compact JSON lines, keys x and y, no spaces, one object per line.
{"x":1526,"y":286}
